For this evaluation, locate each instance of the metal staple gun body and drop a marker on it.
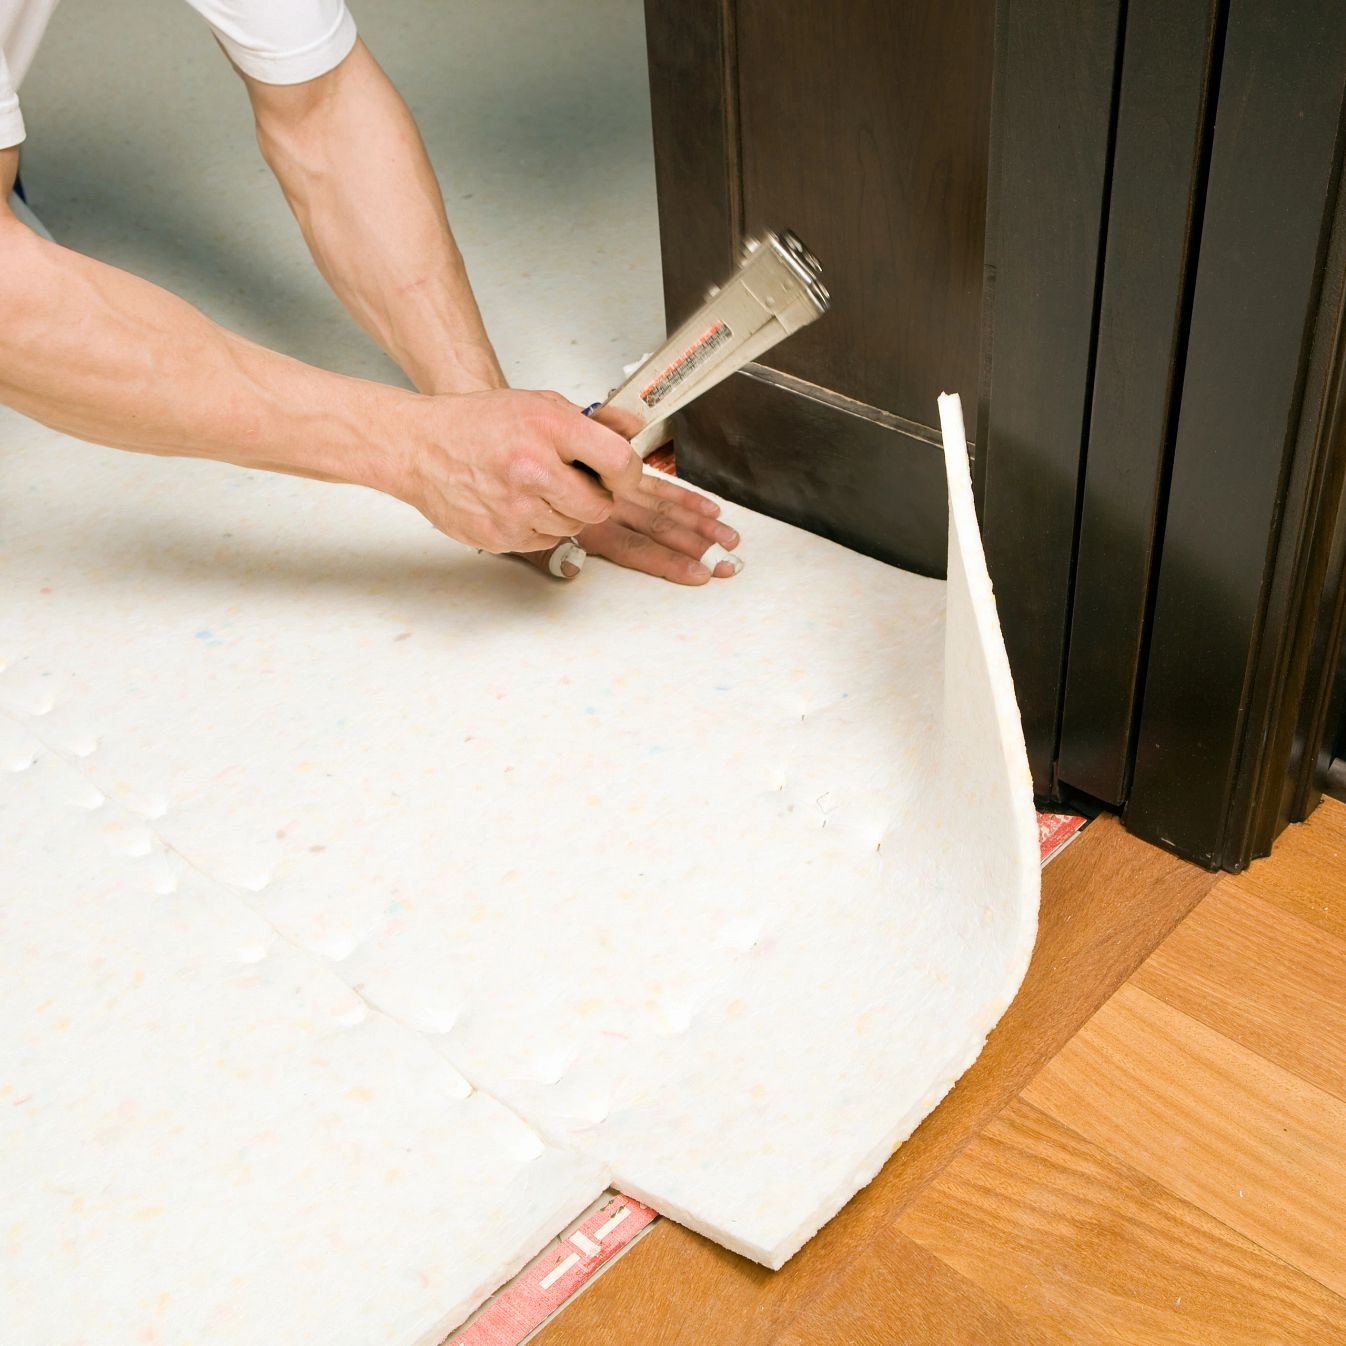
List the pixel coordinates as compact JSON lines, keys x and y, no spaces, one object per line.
{"x":775,"y":291}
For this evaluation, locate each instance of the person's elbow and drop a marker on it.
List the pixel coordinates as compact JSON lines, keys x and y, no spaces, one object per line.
{"x":24,"y":296}
{"x":9,"y":173}
{"x":297,"y":123}
{"x":17,"y":243}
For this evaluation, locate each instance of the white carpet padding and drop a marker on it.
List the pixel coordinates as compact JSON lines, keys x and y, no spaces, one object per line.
{"x":370,"y":904}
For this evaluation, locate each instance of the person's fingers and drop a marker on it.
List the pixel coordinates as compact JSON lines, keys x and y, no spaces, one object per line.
{"x":661,"y":488}
{"x":554,"y":522}
{"x":539,"y":542}
{"x":623,"y":422}
{"x":578,"y":496}
{"x":721,"y":563}
{"x":664,"y":531}
{"x":674,"y":526}
{"x":542,"y":470}
{"x":567,"y":557}
{"x":638,"y":551}
{"x":582,"y":440}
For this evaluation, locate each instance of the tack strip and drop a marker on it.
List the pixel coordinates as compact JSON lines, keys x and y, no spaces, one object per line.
{"x":555,"y":1275}
{"x":1056,"y":831}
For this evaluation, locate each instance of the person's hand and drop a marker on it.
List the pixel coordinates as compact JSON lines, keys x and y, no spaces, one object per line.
{"x":664,"y":529}
{"x":657,"y":527}
{"x":495,"y":469}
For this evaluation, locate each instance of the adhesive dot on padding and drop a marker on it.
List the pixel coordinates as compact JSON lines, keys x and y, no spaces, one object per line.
{"x":355,"y":1014}
{"x":528,"y":1147}
{"x":337,"y":947}
{"x":549,"y":1069}
{"x":674,"y":1019}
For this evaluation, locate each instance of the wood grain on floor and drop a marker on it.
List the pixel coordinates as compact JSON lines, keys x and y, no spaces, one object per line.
{"x":1263,"y":978}
{"x":1152,"y":1148}
{"x":1305,"y":874}
{"x":1216,"y":1124}
{"x":1086,"y":1248}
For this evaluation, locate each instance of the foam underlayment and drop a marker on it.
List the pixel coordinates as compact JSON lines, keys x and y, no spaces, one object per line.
{"x":370,"y":905}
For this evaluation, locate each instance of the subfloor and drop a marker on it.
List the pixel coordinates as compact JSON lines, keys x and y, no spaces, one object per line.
{"x":1152,"y":1148}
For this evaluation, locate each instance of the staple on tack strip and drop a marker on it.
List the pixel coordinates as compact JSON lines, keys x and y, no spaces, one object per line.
{"x":558,"y":1271}
{"x":610,"y":1225}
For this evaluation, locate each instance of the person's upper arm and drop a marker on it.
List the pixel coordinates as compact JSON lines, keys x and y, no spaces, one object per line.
{"x":281,"y":41}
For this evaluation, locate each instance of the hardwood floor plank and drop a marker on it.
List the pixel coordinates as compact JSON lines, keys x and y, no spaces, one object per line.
{"x":1082,"y":1247}
{"x":1306,"y":873}
{"x":1261,"y":976}
{"x":898,"y":1292}
{"x":672,"y":1288}
{"x":1215,"y":1123}
{"x":1107,"y":902}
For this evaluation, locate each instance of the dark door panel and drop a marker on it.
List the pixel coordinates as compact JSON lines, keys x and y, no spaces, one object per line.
{"x":863,"y":127}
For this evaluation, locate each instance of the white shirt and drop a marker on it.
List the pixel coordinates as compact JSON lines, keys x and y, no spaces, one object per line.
{"x":274,"y":41}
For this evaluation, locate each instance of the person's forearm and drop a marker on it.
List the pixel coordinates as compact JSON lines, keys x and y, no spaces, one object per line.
{"x":107,"y":357}
{"x":352,"y":165}
{"x":97,"y":353}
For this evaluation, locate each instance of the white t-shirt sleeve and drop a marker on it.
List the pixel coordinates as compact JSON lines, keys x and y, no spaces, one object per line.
{"x":281,"y":41}
{"x":11,"y":119}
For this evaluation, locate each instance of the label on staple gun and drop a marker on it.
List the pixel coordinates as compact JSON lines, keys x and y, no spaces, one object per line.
{"x":687,"y":363}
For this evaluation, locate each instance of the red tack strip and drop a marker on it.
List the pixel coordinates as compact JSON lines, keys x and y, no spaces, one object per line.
{"x":1055,"y":830}
{"x":552,"y":1277}
{"x":662,"y":460}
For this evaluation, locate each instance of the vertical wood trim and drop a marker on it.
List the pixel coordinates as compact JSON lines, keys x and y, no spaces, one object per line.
{"x":1241,"y":482}
{"x":1319,"y":767}
{"x":1288,"y":785}
{"x":1154,"y":215}
{"x":1056,"y":67}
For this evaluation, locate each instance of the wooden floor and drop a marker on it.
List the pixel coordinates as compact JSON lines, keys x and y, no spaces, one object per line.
{"x":1152,"y":1148}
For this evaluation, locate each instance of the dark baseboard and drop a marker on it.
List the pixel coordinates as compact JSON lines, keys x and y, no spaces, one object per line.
{"x":843,"y":470}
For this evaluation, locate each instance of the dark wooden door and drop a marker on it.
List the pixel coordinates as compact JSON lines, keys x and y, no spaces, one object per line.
{"x":1120,"y":225}
{"x":1161,"y":460}
{"x":863,"y":127}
